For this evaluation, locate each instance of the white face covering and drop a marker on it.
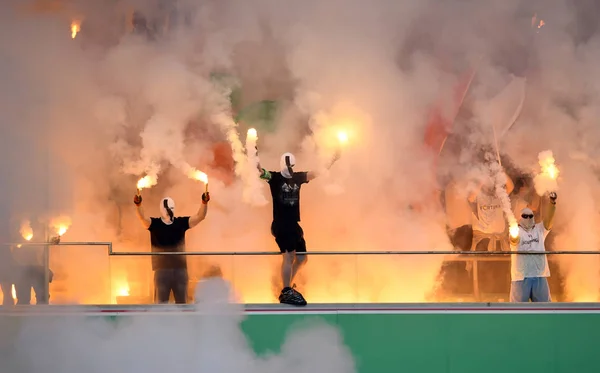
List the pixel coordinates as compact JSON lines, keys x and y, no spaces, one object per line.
{"x":527,"y":220}
{"x":167,"y":210}
{"x":286,"y":163}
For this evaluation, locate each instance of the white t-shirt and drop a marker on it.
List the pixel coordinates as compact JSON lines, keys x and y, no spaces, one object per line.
{"x":523,"y":266}
{"x":489,"y":216}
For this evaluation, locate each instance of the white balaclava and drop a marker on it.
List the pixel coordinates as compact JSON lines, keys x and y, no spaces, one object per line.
{"x":167,"y":207}
{"x":527,"y":219}
{"x":287,"y":162}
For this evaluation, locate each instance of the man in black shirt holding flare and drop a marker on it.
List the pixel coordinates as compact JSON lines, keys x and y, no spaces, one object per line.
{"x":285,"y":191}
{"x":167,"y":234}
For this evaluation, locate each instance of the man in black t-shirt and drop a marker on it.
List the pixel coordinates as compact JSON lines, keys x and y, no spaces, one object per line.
{"x":167,"y":234}
{"x":285,"y":191}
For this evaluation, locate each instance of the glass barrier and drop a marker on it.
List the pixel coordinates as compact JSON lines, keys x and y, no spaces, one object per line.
{"x":92,"y":273}
{"x":64,"y":273}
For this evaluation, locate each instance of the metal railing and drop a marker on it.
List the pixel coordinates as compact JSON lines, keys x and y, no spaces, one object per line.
{"x":267,"y":253}
{"x":452,"y":256}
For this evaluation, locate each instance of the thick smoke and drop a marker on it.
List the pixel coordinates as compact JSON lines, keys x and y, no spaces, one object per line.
{"x":207,"y":340}
{"x":85,"y":118}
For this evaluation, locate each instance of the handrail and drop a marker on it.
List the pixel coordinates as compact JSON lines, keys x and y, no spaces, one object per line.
{"x":268,"y":253}
{"x":28,"y":243}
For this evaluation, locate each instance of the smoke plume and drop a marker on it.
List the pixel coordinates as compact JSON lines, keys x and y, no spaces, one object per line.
{"x":208,"y":340}
{"x":134,"y":94}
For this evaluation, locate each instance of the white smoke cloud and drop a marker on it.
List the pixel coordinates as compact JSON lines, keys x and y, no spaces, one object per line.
{"x":208,"y":340}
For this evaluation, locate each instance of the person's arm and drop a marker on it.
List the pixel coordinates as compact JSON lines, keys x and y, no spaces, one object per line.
{"x":549,"y":211}
{"x":201,"y":214}
{"x":140,"y":211}
{"x":264,"y":174}
{"x":310,"y":175}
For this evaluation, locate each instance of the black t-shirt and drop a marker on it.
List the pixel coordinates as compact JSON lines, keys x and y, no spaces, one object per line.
{"x":168,"y":238}
{"x":286,"y":196}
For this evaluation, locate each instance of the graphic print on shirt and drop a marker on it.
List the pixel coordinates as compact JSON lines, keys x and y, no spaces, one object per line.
{"x":529,"y":239}
{"x":289,"y":194}
{"x":488,"y":214}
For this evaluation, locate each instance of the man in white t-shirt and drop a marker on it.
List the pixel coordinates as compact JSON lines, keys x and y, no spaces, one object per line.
{"x":529,"y":273}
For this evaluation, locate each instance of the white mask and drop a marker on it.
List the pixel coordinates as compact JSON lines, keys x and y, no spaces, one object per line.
{"x":167,"y":205}
{"x":527,"y":223}
{"x":285,"y":171}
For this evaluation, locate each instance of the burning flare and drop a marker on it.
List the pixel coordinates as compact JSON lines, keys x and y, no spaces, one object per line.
{"x":61,"y":224}
{"x":198,"y":175}
{"x":26,"y":230}
{"x":146,"y":182}
{"x":123,"y":290}
{"x":13,"y":292}
{"x":513,"y":230}
{"x":75,"y":28}
{"x":546,"y":180}
{"x":342,"y":137}
{"x":252,"y":133}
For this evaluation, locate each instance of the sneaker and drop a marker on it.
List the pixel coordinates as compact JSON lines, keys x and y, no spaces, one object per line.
{"x":292,"y":296}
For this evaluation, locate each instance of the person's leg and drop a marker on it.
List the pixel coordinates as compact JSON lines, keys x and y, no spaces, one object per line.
{"x":38,"y":279}
{"x":287,"y":265}
{"x":300,"y":258}
{"x":23,"y":286}
{"x":180,"y":285}
{"x":162,"y":285}
{"x":520,"y":291}
{"x":540,"y":290}
{"x":286,"y":240}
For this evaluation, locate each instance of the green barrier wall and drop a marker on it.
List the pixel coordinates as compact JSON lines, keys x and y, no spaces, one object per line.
{"x":421,"y":341}
{"x":455,"y":343}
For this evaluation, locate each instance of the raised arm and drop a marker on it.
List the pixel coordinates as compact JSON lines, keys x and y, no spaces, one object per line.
{"x":311,"y":174}
{"x":201,"y":214}
{"x":549,"y":211}
{"x":139,"y":211}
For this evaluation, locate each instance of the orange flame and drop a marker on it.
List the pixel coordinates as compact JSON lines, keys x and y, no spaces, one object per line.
{"x":61,"y":224}
{"x":342,"y":137}
{"x":75,"y":28}
{"x":146,"y":182}
{"x":198,"y":175}
{"x":514,"y":230}
{"x":26,"y":230}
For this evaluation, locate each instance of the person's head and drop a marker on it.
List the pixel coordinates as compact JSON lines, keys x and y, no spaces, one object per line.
{"x":167,"y":209}
{"x":286,"y":164}
{"x":527,"y":219}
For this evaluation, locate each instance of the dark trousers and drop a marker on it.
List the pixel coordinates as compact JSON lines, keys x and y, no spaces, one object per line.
{"x":170,"y":279}
{"x":31,"y":278}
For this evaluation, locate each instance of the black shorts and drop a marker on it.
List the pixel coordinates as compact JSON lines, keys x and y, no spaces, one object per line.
{"x":289,"y":237}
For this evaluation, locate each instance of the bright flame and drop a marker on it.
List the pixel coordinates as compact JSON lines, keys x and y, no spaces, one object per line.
{"x":75,"y":28}
{"x":61,"y":224}
{"x":542,"y":23}
{"x":342,"y":137}
{"x":123,"y":290}
{"x":198,"y":175}
{"x":146,"y":182}
{"x":514,"y":230}
{"x":13,"y":292}
{"x":546,"y":161}
{"x":26,"y":230}
{"x":252,"y":133}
